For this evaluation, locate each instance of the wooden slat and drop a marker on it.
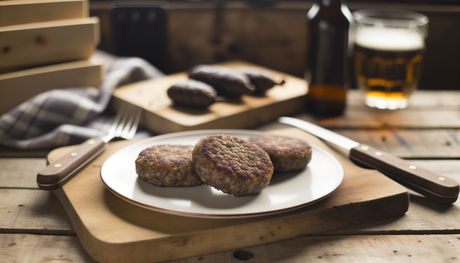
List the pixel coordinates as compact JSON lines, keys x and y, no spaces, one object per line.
{"x":419,"y":100}
{"x":17,"y":87}
{"x":42,"y":248}
{"x":20,"y":172}
{"x":32,"y":211}
{"x":13,"y":152}
{"x":431,"y":143}
{"x":429,"y":110}
{"x":423,"y":214}
{"x":375,"y":119}
{"x":356,"y":249}
{"x":404,"y":143}
{"x":48,"y":42}
{"x":31,"y":11}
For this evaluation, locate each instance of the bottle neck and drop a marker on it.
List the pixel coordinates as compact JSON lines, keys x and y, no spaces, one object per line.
{"x":328,"y":3}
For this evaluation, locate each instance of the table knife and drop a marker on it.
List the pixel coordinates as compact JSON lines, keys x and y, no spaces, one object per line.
{"x":434,"y":186}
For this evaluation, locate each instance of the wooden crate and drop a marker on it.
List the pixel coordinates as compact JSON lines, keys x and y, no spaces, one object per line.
{"x":35,"y":44}
{"x":31,"y":11}
{"x":17,"y":87}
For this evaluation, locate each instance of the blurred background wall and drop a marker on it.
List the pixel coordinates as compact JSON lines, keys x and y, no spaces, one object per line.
{"x":273,"y":34}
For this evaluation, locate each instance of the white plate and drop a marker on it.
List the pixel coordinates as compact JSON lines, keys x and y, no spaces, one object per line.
{"x":286,"y":191}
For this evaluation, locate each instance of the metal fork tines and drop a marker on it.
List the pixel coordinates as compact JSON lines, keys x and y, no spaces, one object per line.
{"x":125,"y":123}
{"x":60,"y":171}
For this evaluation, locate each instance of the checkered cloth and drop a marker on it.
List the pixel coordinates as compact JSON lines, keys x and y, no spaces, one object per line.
{"x":72,"y":115}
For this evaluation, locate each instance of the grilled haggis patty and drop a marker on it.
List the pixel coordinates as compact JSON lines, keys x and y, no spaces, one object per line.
{"x":232,"y":165}
{"x":167,"y":165}
{"x":287,"y":154}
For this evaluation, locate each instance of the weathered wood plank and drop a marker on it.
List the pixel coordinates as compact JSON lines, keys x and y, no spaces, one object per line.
{"x":431,"y":143}
{"x":362,"y":248}
{"x":428,"y":110}
{"x":20,"y":172}
{"x":32,"y":211}
{"x":369,"y":118}
{"x":42,"y":248}
{"x":19,"y":86}
{"x":393,"y":248}
{"x":27,"y":11}
{"x":419,"y":100}
{"x":37,"y":211}
{"x":12,"y":152}
{"x":29,"y":45}
{"x":423,"y":216}
{"x":404,"y":143}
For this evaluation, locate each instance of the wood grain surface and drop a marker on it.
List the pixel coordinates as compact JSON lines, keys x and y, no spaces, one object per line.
{"x":162,"y":116}
{"x":111,"y":230}
{"x":19,"y":86}
{"x":427,"y":232}
{"x":35,"y":44}
{"x":31,"y":11}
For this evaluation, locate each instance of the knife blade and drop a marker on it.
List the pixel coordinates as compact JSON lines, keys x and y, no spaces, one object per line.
{"x":434,"y":186}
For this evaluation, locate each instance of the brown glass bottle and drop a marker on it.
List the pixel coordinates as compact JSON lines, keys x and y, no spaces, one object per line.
{"x":328,"y":29}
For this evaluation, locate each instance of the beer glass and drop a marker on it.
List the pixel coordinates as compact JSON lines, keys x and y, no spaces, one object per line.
{"x":388,"y":55}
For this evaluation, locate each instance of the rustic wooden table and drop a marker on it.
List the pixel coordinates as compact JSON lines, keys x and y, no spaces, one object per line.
{"x":34,"y":226}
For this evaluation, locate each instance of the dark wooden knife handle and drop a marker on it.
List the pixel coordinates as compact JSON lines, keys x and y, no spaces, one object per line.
{"x":437,"y":187}
{"x":60,"y":171}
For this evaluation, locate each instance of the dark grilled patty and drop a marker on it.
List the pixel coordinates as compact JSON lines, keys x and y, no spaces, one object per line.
{"x":167,"y":165}
{"x":287,"y":153}
{"x":232,"y":165}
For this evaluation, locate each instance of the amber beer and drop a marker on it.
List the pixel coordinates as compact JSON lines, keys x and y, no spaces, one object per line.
{"x":388,"y":63}
{"x":387,"y":76}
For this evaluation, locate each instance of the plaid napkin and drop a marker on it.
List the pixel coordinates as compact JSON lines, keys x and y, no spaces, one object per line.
{"x":72,"y":115}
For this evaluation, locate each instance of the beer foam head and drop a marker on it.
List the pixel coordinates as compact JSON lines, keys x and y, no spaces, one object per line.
{"x":389,"y":39}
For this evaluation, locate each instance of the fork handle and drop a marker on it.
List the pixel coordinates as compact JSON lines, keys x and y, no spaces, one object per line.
{"x":60,"y":171}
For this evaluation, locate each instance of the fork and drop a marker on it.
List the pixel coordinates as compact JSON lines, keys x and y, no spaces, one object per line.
{"x":60,"y":171}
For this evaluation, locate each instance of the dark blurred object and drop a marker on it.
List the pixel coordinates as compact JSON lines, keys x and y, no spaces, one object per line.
{"x":261,"y":3}
{"x":140,"y":30}
{"x":327,"y":54}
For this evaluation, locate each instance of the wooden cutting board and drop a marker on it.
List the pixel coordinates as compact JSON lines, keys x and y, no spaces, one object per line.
{"x":113,"y":230}
{"x":19,"y":86}
{"x":161,"y":116}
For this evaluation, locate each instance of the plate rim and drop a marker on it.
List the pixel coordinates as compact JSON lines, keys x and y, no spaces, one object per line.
{"x":218,"y":215}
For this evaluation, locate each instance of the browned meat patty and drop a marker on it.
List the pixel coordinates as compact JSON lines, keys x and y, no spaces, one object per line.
{"x":287,"y":154}
{"x":232,"y":165}
{"x":167,"y":165}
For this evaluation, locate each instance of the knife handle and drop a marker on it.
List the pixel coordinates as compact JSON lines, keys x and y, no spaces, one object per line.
{"x":60,"y":171}
{"x":434,"y":186}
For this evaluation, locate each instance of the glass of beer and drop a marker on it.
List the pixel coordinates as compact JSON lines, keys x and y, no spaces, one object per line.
{"x":388,"y":55}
